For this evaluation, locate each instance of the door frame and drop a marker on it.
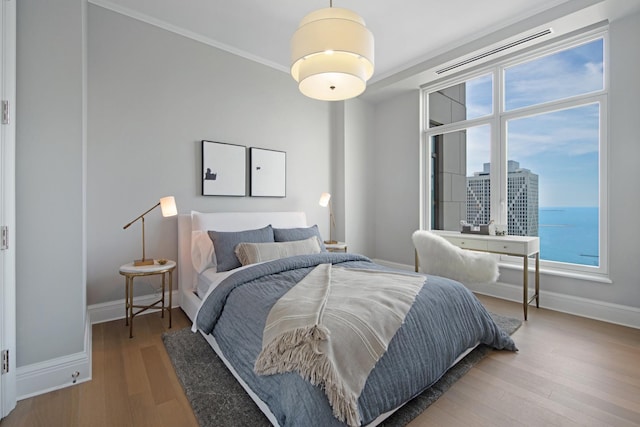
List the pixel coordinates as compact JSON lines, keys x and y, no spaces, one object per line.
{"x":7,"y":204}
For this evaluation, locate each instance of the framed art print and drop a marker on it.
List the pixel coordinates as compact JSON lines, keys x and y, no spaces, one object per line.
{"x":224,"y":169}
{"x":268,"y":172}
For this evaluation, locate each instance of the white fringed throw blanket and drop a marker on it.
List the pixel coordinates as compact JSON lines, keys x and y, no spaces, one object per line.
{"x":332,"y":328}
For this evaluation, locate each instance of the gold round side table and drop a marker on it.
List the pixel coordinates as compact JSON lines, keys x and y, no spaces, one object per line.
{"x":129,"y":271}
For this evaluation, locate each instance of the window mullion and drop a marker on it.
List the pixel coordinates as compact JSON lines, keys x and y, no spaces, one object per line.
{"x":458,"y":126}
{"x":498,"y":154}
{"x":561,"y":104}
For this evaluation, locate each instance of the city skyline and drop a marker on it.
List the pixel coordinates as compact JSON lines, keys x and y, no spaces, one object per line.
{"x":522,"y":199}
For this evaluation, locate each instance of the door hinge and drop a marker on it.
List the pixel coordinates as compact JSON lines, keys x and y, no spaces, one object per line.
{"x":4,"y":243}
{"x":5,"y":112}
{"x":5,"y":361}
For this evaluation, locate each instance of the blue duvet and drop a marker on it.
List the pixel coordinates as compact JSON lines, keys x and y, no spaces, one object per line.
{"x":445,"y":320}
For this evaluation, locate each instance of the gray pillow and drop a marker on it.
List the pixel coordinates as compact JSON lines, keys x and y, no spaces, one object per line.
{"x":224,"y":244}
{"x":303,"y":233}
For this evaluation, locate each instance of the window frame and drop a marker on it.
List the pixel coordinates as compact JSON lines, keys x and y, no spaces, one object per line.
{"x":497,"y":122}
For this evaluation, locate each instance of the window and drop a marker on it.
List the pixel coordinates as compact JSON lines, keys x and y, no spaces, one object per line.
{"x":523,"y":144}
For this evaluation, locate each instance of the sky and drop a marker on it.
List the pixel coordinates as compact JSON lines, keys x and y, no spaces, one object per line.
{"x":560,"y":146}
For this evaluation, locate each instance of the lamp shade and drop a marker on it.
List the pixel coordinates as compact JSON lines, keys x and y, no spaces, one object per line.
{"x":324,"y":199}
{"x":168,"y":206}
{"x":332,"y":54}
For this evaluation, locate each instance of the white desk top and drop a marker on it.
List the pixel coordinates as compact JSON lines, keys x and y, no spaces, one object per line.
{"x":510,"y":245}
{"x":487,"y":237}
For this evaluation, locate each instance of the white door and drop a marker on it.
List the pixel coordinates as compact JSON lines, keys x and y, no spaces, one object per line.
{"x":7,"y":205}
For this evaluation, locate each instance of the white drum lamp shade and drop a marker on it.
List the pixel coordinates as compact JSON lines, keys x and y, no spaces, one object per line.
{"x":168,"y":206}
{"x":332,"y":54}
{"x":324,"y":199}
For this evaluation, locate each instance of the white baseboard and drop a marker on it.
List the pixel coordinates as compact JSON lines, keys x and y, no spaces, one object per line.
{"x":583,"y":307}
{"x":54,"y":374}
{"x":114,"y":310}
{"x":57,"y":373}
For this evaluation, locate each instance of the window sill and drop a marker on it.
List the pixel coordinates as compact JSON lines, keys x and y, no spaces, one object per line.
{"x":577,"y":275}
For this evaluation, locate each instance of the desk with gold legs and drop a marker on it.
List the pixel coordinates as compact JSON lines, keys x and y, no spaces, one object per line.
{"x":129,"y":271}
{"x":521,"y":246}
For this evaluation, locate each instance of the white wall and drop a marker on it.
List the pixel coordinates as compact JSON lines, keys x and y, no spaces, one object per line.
{"x":49,"y":181}
{"x":337,"y":175}
{"x":360,"y":173}
{"x":396,"y":189}
{"x":397,"y":202}
{"x":624,"y":131}
{"x":153,"y":95}
{"x":352,"y":170}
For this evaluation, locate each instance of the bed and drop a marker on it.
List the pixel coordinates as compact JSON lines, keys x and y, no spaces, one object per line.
{"x":441,"y":325}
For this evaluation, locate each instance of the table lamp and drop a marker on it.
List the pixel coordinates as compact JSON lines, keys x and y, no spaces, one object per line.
{"x":325,"y":199}
{"x":168,"y":206}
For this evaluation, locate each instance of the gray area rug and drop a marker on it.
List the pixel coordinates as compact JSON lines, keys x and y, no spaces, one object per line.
{"x":218,"y":399}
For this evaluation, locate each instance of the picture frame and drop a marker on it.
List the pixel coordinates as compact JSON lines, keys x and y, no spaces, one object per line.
{"x":224,"y":169}
{"x":268,"y":172}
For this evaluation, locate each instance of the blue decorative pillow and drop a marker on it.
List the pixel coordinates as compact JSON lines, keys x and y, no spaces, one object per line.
{"x":224,"y":244}
{"x":293,"y":234}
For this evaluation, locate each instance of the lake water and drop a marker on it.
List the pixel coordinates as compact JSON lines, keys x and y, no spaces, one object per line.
{"x":569,"y":234}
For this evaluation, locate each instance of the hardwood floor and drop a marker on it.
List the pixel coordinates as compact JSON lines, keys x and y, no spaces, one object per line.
{"x":133,"y":383}
{"x":570,"y":371}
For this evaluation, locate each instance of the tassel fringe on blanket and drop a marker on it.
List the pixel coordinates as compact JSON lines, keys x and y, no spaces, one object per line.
{"x":298,"y":351}
{"x":332,"y":328}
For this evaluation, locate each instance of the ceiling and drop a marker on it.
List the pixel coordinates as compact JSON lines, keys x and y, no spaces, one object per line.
{"x":406,"y":32}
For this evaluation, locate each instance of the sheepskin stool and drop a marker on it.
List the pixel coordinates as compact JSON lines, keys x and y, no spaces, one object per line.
{"x":439,"y":257}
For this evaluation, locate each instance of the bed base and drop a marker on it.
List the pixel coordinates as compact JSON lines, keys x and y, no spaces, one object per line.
{"x":190,"y":302}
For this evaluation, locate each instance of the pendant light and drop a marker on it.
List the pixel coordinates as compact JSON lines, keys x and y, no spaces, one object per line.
{"x":332,"y":54}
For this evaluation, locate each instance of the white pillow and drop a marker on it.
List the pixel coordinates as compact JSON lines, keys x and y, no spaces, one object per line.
{"x":202,"y":254}
{"x":202,"y":221}
{"x":251,"y":253}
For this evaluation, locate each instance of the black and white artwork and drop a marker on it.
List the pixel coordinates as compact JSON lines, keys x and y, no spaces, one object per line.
{"x":268,"y":173}
{"x":224,"y":169}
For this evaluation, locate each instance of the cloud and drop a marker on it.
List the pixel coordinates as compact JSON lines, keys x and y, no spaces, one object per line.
{"x":479,"y":96}
{"x":573,"y":132}
{"x":561,"y":75}
{"x":478,"y":148}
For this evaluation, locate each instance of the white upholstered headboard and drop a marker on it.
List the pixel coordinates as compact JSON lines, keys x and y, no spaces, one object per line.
{"x":220,"y":221}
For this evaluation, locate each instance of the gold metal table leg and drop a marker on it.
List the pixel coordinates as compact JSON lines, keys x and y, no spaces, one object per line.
{"x":170,"y":295}
{"x":126,"y":300}
{"x":131,"y":308}
{"x":537,"y":279}
{"x":162,"y":297}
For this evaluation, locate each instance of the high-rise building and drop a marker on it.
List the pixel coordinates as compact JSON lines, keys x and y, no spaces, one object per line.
{"x":522,"y":199}
{"x":479,"y":197}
